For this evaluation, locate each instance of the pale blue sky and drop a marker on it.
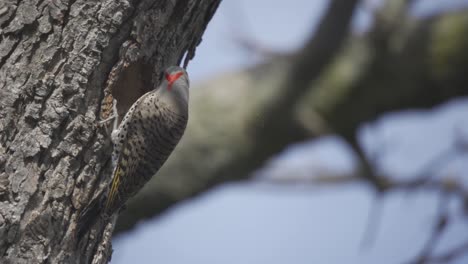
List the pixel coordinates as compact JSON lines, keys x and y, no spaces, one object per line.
{"x":259,"y":223}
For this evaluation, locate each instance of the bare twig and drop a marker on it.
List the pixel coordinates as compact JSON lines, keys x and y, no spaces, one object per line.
{"x":322,"y":178}
{"x":373,"y":221}
{"x":434,"y":238}
{"x":450,"y":255}
{"x":239,"y":30}
{"x":367,"y":170}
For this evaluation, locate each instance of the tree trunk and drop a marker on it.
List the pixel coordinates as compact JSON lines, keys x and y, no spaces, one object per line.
{"x":58,"y":59}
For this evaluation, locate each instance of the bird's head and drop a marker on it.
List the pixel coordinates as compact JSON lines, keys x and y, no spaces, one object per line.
{"x":177,"y":82}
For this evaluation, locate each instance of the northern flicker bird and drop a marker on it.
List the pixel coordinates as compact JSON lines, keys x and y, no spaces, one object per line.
{"x":143,"y":141}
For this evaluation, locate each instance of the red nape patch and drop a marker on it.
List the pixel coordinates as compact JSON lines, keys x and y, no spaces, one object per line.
{"x":171,"y":78}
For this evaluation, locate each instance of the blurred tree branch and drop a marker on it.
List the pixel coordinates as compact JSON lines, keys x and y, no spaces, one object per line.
{"x":418,"y":62}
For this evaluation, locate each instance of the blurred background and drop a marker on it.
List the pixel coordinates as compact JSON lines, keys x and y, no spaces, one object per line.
{"x":280,"y":214}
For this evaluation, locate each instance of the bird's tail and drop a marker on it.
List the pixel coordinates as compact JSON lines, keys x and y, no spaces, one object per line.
{"x":89,"y":216}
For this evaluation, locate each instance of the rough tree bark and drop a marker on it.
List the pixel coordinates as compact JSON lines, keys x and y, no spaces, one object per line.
{"x":402,"y":62}
{"x":57,"y":58}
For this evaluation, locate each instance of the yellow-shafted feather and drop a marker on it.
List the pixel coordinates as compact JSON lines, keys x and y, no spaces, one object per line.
{"x":114,"y":187}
